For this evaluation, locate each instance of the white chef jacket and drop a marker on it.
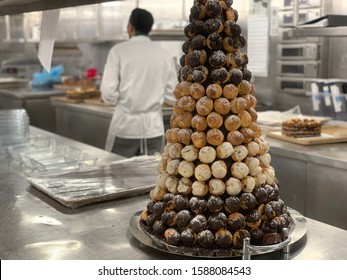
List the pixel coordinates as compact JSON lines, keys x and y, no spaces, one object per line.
{"x":137,"y":89}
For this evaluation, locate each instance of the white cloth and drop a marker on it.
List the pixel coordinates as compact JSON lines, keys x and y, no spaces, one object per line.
{"x":138,"y":77}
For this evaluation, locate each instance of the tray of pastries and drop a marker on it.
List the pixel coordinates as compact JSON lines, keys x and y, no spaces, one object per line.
{"x":309,"y":131}
{"x":297,"y":229}
{"x":79,"y":89}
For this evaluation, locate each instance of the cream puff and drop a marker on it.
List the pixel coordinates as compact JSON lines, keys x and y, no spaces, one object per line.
{"x":214,"y":120}
{"x":186,"y":168}
{"x":239,"y":170}
{"x":199,"y":188}
{"x":214,"y":91}
{"x":204,"y":106}
{"x":172,"y":166}
{"x":175,"y":150}
{"x":184,"y":120}
{"x":232,"y":123}
{"x":233,"y":186}
{"x":190,"y":153}
{"x":202,"y":172}
{"x":214,"y":41}
{"x":196,"y":90}
{"x":186,"y":103}
{"x":240,"y":153}
{"x":199,"y":123}
{"x":207,"y":154}
{"x":185,"y":186}
{"x":230,"y":91}
{"x":224,"y":150}
{"x":222,"y":106}
{"x":235,"y":137}
{"x":199,"y":139}
{"x":172,"y":184}
{"x":161,"y":179}
{"x":248,"y":184}
{"x":216,"y":187}
{"x":182,"y":89}
{"x":213,"y":8}
{"x":214,"y":137}
{"x":184,"y":135}
{"x":219,"y":169}
{"x":238,"y":105}
{"x":217,"y":59}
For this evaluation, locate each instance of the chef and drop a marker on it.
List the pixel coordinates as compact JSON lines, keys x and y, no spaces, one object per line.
{"x":139,"y":76}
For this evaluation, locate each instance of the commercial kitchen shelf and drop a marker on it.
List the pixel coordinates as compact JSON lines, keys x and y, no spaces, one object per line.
{"x":10,"y":7}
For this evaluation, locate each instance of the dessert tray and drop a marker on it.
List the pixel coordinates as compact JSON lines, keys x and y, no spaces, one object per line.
{"x":330,"y":134}
{"x":295,"y":232}
{"x":324,"y":138}
{"x":98,"y":183}
{"x":274,"y":118}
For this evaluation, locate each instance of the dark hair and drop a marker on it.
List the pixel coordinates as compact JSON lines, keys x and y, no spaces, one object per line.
{"x":142,"y":20}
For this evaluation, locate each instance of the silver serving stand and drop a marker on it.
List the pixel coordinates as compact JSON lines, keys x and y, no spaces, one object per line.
{"x":248,"y":250}
{"x":294,"y":233}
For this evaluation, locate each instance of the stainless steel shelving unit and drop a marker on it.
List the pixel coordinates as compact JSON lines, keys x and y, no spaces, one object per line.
{"x":11,"y":7}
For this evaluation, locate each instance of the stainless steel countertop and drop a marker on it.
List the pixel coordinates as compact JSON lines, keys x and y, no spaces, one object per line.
{"x":105,"y":111}
{"x":95,"y":109}
{"x":334,"y":154}
{"x":30,"y":93}
{"x":34,"y":226}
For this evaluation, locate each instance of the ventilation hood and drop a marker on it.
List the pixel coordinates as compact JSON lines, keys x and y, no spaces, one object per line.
{"x":10,"y":7}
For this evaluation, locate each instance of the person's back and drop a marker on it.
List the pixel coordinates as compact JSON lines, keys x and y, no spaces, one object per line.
{"x":147,"y":67}
{"x":138,"y":77}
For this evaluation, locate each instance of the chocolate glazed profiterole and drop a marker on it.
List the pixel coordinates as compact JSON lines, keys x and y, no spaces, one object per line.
{"x":215,"y":184}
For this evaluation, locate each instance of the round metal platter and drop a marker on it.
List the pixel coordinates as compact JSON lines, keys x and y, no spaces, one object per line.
{"x":297,"y":230}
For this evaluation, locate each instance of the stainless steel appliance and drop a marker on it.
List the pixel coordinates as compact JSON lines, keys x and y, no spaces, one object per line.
{"x":303,"y":51}
{"x":299,"y":59}
{"x":286,"y":17}
{"x":285,"y":36}
{"x":288,"y":4}
{"x":298,"y":68}
{"x":294,"y":85}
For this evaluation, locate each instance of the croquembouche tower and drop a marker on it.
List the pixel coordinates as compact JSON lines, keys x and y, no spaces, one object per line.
{"x":215,"y":184}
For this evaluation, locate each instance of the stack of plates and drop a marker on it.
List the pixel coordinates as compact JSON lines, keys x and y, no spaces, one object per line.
{"x":3,"y":154}
{"x":14,"y":126}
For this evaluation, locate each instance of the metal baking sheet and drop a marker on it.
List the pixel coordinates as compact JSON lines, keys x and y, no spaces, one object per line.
{"x":98,"y":183}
